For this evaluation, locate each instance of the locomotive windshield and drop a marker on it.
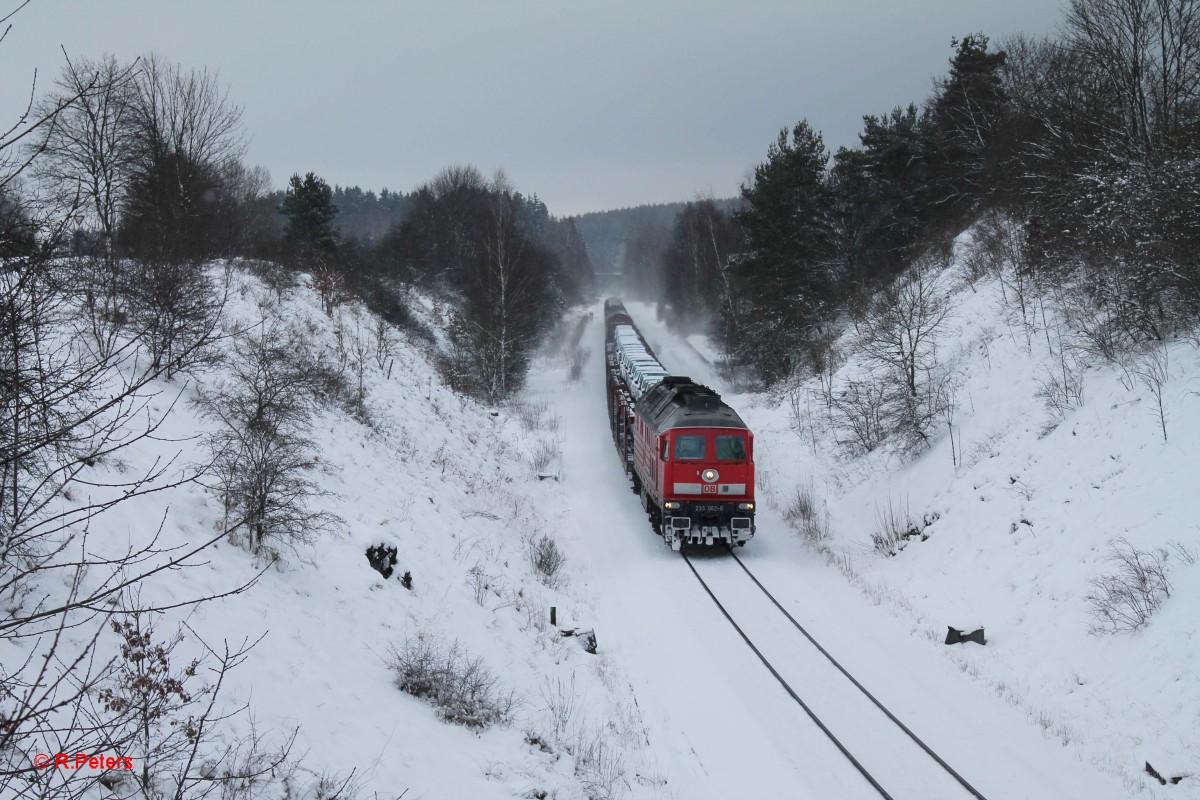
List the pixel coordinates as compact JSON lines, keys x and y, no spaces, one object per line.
{"x":689,"y":446}
{"x":730,"y":448}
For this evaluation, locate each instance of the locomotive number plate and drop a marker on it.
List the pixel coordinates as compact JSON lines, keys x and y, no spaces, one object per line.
{"x":708,"y":488}
{"x":708,"y":509}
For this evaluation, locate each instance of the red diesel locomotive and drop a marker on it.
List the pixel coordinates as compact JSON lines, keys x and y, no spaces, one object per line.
{"x":688,"y":454}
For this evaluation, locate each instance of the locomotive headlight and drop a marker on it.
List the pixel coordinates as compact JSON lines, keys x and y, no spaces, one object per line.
{"x":745,"y":506}
{"x":671,"y":505}
{"x":709,"y":475}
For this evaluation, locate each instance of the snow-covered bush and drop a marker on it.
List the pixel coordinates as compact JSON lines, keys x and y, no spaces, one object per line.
{"x":859,"y":415}
{"x":895,"y":525}
{"x":1124,"y":600}
{"x":805,"y":514}
{"x":262,"y":451}
{"x":463,"y":688}
{"x":546,"y":558}
{"x":159,"y":713}
{"x":536,"y":414}
{"x":545,"y":457}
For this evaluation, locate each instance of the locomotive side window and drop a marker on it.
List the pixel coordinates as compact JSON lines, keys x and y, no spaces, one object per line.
{"x":666,"y":448}
{"x":730,"y":448}
{"x":689,"y":446}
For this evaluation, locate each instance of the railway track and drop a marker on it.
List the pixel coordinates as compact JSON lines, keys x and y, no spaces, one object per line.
{"x":889,"y":756}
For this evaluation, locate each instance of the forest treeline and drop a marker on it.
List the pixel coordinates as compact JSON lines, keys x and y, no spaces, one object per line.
{"x":138,"y":170}
{"x":1082,"y":148}
{"x":627,"y":244}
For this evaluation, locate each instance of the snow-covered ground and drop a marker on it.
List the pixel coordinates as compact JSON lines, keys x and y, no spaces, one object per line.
{"x":673,"y":704}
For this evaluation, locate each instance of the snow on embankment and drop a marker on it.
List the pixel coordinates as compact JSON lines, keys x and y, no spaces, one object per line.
{"x":450,"y":484}
{"x":1059,"y":498}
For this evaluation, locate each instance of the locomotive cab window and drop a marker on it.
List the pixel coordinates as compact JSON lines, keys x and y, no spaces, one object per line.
{"x":730,"y":448}
{"x":689,"y":446}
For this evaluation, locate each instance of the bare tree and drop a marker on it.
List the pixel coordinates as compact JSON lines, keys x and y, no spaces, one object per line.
{"x":263,"y":456}
{"x":1154,"y":371}
{"x":67,"y":411}
{"x":186,"y":143}
{"x":88,"y":153}
{"x":901,"y":343}
{"x":84,"y":163}
{"x":160,"y":713}
{"x":177,"y":111}
{"x":1149,"y":52}
{"x":509,"y":294}
{"x":905,"y":320}
{"x":505,"y":248}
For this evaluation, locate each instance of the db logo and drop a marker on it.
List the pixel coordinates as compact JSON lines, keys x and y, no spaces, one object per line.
{"x":708,"y":488}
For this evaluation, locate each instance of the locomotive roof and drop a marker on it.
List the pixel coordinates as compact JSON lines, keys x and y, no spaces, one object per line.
{"x":678,"y":402}
{"x":615,"y":313}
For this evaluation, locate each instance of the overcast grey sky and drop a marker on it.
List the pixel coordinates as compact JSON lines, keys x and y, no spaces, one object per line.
{"x":591,"y":105}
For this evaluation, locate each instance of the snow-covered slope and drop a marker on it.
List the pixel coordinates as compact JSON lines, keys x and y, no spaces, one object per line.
{"x":452,"y":485}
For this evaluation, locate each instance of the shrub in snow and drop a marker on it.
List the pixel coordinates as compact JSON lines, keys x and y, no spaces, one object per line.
{"x":536,"y":415}
{"x":859,"y":413}
{"x":262,"y":453}
{"x":299,"y":783}
{"x":175,"y":305}
{"x":546,"y":558}
{"x":329,"y":282}
{"x":461,"y":687}
{"x":1124,"y":600}
{"x":894,"y":526}
{"x":544,"y":458}
{"x":1060,"y":387}
{"x":900,"y":392}
{"x":391,"y":302}
{"x":277,"y":278}
{"x":480,"y":583}
{"x":168,"y":725}
{"x":806,"y":515}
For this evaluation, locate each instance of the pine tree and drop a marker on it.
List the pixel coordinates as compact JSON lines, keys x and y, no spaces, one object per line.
{"x":785,"y":281}
{"x":967,"y":111}
{"x":882,"y":195}
{"x":308,"y":205}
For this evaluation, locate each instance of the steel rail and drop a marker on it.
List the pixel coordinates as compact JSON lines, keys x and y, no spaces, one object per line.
{"x":862,"y":770}
{"x":928,"y":751}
